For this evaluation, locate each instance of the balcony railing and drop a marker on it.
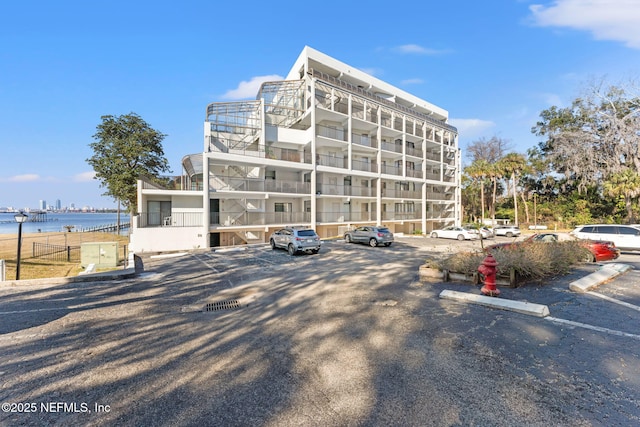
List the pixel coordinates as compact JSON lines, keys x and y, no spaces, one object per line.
{"x":391,"y":170}
{"x":401,"y":216}
{"x":364,"y":140}
{"x":275,"y":153}
{"x":242,"y":218}
{"x":390,"y":146}
{"x":360,"y":165}
{"x":332,"y":161}
{"x":404,"y":194}
{"x":414,"y":173}
{"x":259,"y":185}
{"x":169,"y":219}
{"x":324,"y":217}
{"x":345,"y":190}
{"x":172,"y":183}
{"x":414,"y":152}
{"x":332,"y":133}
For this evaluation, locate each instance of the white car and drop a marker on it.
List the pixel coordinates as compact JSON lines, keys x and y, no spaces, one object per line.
{"x":454,"y":232}
{"x":623,"y":236}
{"x":507,"y":230}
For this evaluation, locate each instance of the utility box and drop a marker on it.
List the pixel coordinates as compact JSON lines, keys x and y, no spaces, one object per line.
{"x":101,"y":254}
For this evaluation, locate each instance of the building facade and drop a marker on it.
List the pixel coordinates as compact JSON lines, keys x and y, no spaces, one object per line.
{"x":329,"y":147}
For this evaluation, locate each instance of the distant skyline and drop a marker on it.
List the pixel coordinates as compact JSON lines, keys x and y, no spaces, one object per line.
{"x":493,"y":65}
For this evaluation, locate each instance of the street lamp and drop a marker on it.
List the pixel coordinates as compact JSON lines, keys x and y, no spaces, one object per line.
{"x":20,"y":218}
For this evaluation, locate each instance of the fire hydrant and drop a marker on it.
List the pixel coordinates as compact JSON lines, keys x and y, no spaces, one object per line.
{"x":489,"y":270}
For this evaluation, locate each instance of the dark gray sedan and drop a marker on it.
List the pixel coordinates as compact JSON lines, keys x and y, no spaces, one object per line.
{"x":374,"y":236}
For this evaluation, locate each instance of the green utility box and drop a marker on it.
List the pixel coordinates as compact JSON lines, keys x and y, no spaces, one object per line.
{"x":101,"y":254}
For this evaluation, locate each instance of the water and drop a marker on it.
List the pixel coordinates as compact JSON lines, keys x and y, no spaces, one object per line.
{"x":57,"y":221}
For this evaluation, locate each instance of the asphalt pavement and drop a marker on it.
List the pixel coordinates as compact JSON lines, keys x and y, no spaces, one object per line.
{"x":350,"y":336}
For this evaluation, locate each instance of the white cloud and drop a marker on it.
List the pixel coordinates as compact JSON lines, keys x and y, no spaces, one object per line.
{"x":418,"y":50}
{"x":250,"y":89}
{"x":606,"y":19}
{"x":371,"y":71}
{"x":471,"y":128}
{"x":415,"y":81}
{"x":30,"y":177}
{"x":84,"y":176}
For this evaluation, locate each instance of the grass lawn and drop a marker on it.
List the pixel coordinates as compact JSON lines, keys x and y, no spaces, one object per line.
{"x":38,"y":268}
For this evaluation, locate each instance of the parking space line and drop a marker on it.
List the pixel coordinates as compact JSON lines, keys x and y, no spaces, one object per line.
{"x":591,"y":327}
{"x":615,"y":301}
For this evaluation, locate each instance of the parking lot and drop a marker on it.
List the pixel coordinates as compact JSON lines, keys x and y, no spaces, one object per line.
{"x":349,"y":336}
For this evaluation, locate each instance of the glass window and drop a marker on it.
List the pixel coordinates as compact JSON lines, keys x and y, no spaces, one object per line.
{"x":629,"y":231}
{"x":607,"y":229}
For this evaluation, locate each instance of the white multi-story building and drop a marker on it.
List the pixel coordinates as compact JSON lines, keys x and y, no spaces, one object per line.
{"x":329,"y":147}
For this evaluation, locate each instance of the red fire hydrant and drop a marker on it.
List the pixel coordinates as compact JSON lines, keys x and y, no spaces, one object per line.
{"x":489,"y":270}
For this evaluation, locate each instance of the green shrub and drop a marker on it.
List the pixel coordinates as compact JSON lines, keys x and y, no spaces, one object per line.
{"x":531,"y":261}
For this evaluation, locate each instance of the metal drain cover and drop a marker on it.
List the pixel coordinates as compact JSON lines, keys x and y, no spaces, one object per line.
{"x":222,"y":305}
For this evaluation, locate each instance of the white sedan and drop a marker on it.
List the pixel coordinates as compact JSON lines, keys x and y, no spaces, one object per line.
{"x":454,"y":232}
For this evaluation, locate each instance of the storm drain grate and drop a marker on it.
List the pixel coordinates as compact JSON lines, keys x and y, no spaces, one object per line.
{"x":222,"y":305}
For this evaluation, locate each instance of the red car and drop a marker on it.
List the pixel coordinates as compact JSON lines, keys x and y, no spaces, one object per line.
{"x":600,"y":250}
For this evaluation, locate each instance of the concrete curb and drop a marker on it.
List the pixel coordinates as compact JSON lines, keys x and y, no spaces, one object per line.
{"x":92,"y":277}
{"x":528,"y":308}
{"x":606,"y":273}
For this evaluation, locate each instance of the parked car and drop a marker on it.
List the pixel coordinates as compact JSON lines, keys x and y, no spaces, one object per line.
{"x":600,"y":250}
{"x":507,"y":230}
{"x":484,"y":232}
{"x":296,"y":240}
{"x":623,"y":236}
{"x":454,"y":232}
{"x":374,"y":236}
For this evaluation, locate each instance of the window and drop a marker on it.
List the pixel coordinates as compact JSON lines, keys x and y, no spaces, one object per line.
{"x":629,"y":231}
{"x":607,"y":229}
{"x":268,"y":174}
{"x":282,"y":207}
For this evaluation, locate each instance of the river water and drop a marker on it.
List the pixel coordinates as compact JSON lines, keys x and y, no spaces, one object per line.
{"x":58,"y":221}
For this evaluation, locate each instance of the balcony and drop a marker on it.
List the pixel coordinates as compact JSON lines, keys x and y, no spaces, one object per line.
{"x":332,"y":161}
{"x":331,"y":133}
{"x":364,"y":166}
{"x":363,"y":140}
{"x":172,"y":183}
{"x":244,"y":218}
{"x":327,"y":217}
{"x":401,"y":194}
{"x":401,"y":216}
{"x":169,"y":219}
{"x":259,"y":185}
{"x":345,"y":190}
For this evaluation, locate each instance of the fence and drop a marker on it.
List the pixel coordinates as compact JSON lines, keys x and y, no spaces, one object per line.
{"x":56,"y":252}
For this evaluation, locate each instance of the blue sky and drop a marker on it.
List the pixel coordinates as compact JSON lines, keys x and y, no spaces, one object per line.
{"x":494,"y":65}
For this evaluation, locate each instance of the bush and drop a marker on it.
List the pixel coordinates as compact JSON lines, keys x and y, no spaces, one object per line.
{"x":531,"y":261}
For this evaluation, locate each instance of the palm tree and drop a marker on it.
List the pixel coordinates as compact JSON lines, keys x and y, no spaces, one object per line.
{"x":495,"y":173}
{"x":624,"y":184}
{"x":513,"y":164}
{"x":478,"y":172}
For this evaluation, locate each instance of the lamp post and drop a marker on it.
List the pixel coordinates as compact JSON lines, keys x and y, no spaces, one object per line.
{"x":535,"y":210}
{"x":20,"y":218}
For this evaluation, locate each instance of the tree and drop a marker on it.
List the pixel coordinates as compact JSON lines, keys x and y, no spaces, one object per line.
{"x":490,"y":150}
{"x":126,"y":148}
{"x":596,"y":137}
{"x":513,"y":165}
{"x":478,"y":172}
{"x":625,"y":184}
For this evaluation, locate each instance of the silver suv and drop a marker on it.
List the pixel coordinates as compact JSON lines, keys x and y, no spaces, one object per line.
{"x":507,"y":230}
{"x":296,"y":240}
{"x":374,"y":236}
